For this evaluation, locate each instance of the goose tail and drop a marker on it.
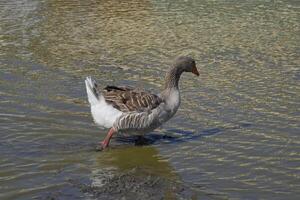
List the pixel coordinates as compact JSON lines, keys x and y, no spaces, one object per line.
{"x":91,"y":88}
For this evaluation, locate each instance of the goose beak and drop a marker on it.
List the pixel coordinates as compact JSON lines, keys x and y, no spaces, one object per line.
{"x":195,"y":71}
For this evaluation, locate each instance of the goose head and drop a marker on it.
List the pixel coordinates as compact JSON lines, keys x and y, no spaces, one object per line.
{"x":181,"y":64}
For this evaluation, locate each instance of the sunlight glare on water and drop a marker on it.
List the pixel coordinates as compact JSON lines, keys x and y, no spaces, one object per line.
{"x":235,"y":136}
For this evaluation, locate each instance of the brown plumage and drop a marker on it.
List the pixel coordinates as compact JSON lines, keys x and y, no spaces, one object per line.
{"x":127,"y":99}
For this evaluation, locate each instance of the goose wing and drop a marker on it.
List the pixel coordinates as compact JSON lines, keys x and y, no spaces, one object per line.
{"x":127,"y":99}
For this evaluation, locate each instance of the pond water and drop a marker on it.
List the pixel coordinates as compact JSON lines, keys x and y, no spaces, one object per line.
{"x":235,"y":136}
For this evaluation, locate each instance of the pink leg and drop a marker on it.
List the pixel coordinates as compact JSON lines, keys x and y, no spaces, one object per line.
{"x":105,"y":142}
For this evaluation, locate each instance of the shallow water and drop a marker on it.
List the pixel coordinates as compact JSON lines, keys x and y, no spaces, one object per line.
{"x":235,"y":136}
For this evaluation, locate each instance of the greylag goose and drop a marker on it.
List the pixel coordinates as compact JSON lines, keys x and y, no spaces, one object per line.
{"x":129,"y":110}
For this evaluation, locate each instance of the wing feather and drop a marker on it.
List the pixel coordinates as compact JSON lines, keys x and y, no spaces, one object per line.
{"x":127,"y":99}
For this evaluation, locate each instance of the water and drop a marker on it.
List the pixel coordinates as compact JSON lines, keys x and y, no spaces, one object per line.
{"x":235,"y":136}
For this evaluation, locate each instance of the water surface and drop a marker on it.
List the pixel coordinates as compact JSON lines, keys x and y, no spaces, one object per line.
{"x":235,"y":136}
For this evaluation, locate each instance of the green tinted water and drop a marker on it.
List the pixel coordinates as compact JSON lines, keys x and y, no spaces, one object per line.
{"x":236,"y":134}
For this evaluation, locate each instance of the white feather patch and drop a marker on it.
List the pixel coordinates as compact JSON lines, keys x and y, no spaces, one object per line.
{"x":104,"y":114}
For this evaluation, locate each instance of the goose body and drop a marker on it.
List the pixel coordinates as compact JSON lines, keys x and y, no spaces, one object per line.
{"x":129,"y":110}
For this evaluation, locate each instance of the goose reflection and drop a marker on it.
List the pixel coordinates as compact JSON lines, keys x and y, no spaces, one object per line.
{"x":133,"y":172}
{"x":145,"y":158}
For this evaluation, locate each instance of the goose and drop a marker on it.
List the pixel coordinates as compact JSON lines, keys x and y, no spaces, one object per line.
{"x":128,"y":110}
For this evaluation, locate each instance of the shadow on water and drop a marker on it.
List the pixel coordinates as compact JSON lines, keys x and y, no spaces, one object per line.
{"x":177,"y":135}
